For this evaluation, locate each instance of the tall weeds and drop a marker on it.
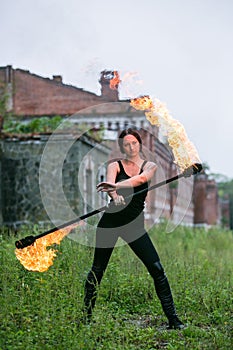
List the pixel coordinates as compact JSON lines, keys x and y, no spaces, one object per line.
{"x":43,"y":310}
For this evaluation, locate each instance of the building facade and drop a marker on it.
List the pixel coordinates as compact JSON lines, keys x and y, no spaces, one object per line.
{"x":26,"y":95}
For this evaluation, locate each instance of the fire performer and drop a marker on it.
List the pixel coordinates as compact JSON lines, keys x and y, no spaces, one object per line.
{"x":126,"y":220}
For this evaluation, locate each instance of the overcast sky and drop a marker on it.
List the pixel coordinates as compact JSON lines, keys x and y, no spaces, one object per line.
{"x":180,"y":51}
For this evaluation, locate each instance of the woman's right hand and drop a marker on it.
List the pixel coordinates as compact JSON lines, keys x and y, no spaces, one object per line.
{"x":106,"y":187}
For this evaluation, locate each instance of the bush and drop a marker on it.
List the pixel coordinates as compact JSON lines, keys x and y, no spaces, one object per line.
{"x":36,"y":125}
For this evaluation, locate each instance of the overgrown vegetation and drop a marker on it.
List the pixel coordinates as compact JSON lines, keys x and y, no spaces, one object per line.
{"x":36,"y":125}
{"x":43,"y":310}
{"x":48,"y":125}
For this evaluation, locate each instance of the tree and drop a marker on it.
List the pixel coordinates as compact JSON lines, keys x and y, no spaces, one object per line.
{"x":225,"y":188}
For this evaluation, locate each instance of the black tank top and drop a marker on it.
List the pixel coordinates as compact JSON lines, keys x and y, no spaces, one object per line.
{"x":137,"y":202}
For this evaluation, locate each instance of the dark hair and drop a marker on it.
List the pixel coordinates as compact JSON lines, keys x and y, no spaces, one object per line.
{"x":129,"y":132}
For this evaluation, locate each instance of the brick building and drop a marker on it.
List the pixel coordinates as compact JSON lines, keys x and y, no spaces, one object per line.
{"x":206,"y":204}
{"x":32,"y":95}
{"x":28,"y":95}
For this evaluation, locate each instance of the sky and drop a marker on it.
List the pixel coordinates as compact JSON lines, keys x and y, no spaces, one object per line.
{"x":179,"y":51}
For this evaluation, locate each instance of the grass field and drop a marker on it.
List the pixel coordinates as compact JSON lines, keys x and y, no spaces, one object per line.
{"x":43,"y":310}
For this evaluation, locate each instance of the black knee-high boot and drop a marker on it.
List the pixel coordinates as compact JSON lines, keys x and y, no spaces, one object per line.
{"x":93,"y":279}
{"x":164,"y":293}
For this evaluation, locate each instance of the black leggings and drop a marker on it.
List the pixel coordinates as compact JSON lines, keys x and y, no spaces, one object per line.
{"x":147,"y":253}
{"x":142,"y":247}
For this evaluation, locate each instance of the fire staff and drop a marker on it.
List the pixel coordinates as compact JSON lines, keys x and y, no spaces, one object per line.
{"x":125,"y":219}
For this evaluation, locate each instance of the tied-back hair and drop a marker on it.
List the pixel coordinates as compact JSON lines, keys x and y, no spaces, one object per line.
{"x":129,"y":132}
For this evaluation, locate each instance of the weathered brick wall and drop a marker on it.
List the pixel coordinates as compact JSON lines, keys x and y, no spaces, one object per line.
{"x":2,"y":77}
{"x":199,"y":199}
{"x":206,"y":205}
{"x":34,"y":95}
{"x":212,"y":204}
{"x":21,"y":200}
{"x":20,"y":191}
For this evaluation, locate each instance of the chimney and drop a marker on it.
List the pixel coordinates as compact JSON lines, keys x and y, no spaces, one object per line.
{"x":109,"y":91}
{"x":57,"y":78}
{"x":9,"y":88}
{"x":8,"y":74}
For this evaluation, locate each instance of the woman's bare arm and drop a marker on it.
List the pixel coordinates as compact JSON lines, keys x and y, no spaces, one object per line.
{"x":112,"y":171}
{"x":134,"y":181}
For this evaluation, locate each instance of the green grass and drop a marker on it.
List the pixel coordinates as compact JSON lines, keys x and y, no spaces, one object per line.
{"x":42,"y":310}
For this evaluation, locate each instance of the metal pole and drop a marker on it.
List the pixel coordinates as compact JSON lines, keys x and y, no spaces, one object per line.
{"x":29,"y":240}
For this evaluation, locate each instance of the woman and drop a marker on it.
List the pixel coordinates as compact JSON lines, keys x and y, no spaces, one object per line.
{"x":125,"y":219}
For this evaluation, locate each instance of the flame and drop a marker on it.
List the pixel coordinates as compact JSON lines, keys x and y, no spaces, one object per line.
{"x":37,"y":257}
{"x":185,"y":154}
{"x":115,"y":81}
{"x":142,"y":103}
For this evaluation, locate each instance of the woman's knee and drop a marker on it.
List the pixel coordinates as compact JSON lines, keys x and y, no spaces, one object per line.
{"x":95,"y":275}
{"x":156,"y":270}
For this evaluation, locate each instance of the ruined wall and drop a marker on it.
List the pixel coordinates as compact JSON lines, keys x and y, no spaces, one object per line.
{"x":206,"y":202}
{"x":20,"y":197}
{"x":32,"y":95}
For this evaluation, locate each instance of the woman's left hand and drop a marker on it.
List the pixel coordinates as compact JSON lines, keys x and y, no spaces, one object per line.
{"x":119,"y":200}
{"x":106,"y":187}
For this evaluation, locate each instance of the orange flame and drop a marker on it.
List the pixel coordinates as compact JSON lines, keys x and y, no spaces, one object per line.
{"x":185,"y":154}
{"x":115,"y":81}
{"x":142,"y":103}
{"x":37,"y":257}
